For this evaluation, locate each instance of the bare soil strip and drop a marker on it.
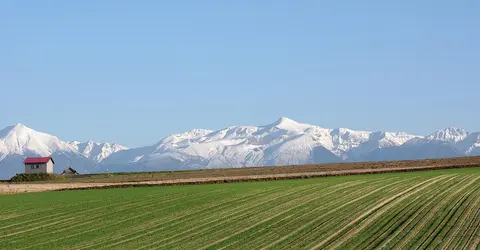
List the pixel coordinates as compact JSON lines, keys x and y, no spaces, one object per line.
{"x":11,"y":188}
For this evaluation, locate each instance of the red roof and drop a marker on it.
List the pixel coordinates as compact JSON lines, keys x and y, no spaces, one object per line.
{"x":38,"y":160}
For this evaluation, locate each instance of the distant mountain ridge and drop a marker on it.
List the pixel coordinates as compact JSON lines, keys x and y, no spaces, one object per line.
{"x":284,"y":142}
{"x":96,"y":151}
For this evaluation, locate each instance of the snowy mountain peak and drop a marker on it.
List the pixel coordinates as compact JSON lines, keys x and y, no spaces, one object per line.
{"x":181,"y":139}
{"x":19,"y":126}
{"x":199,"y":132}
{"x":20,"y":139}
{"x":342,"y":131}
{"x":17,"y":129}
{"x":284,"y":121}
{"x":194,"y":133}
{"x":451,"y":134}
{"x":287,"y":124}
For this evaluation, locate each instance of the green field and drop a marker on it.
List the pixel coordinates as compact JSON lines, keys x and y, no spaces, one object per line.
{"x":433,"y":209}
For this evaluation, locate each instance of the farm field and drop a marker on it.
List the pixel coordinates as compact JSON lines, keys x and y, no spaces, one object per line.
{"x":312,"y":169}
{"x":437,"y":209}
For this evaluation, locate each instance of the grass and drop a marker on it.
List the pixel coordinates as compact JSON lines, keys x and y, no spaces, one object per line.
{"x":36,"y":177}
{"x":428,"y":210}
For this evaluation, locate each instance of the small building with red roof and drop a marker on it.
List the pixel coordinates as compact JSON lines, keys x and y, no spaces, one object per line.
{"x":35,"y":165}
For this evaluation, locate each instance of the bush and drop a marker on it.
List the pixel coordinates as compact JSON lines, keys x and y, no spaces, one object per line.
{"x":35,"y":177}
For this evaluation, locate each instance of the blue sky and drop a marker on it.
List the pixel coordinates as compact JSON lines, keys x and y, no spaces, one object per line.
{"x":135,"y":71}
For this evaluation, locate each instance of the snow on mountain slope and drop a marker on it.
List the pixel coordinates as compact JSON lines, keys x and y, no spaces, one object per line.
{"x":451,"y":135}
{"x":290,"y":125}
{"x":19,"y":139}
{"x":444,"y":143}
{"x":378,"y":140}
{"x":129,"y":156}
{"x":96,"y":151}
{"x":284,"y":142}
{"x":346,"y":139}
{"x":470,"y":145}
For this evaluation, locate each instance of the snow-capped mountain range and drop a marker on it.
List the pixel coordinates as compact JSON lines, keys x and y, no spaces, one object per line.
{"x":19,"y":141}
{"x":284,"y":142}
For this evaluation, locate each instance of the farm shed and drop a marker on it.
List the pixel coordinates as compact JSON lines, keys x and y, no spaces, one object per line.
{"x":69,"y":171}
{"x":34,"y":165}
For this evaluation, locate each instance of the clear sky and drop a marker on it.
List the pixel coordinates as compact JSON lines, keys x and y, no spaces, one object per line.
{"x":133,"y":72}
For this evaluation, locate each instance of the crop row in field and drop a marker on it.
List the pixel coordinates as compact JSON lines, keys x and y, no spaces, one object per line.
{"x":432,"y":209}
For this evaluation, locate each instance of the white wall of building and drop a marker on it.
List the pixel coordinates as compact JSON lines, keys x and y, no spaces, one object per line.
{"x":50,"y":167}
